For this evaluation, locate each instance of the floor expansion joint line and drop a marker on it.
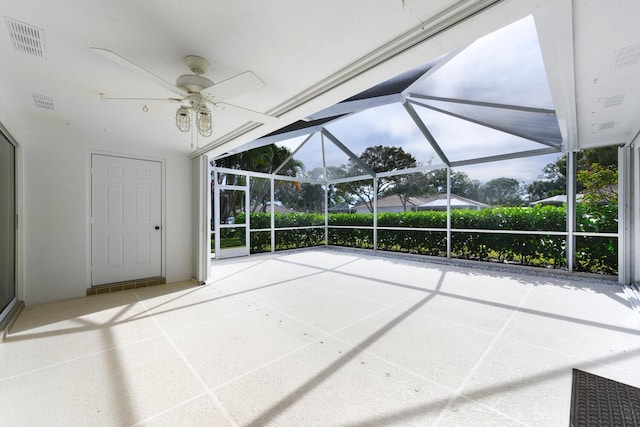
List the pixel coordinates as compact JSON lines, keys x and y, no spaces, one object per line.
{"x":471,"y":373}
{"x":354,"y":295}
{"x":191,"y":368}
{"x":368,"y":316}
{"x":240,"y":271}
{"x":285,"y":299}
{"x":248,"y":291}
{"x":75,"y":359}
{"x":217,"y":319}
{"x":391,"y":363}
{"x":264,"y":365}
{"x":168,"y":410}
{"x":579,"y":360}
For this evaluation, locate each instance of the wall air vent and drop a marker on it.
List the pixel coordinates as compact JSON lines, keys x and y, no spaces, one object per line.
{"x":627,"y":56}
{"x":44,"y":101}
{"x":606,"y":125}
{"x":612,"y":101}
{"x":26,"y":38}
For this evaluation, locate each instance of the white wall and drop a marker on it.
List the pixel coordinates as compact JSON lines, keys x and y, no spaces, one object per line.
{"x":56,"y":208}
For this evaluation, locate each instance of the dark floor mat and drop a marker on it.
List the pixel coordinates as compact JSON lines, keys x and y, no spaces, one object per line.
{"x":598,"y":401}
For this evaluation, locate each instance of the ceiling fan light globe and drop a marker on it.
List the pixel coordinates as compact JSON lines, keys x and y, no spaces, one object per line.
{"x":204,"y":121}
{"x":183,"y":119}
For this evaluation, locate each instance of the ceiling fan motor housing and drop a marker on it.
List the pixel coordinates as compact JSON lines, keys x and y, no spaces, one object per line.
{"x":193,"y":83}
{"x":197,"y":64}
{"x":196,"y":100}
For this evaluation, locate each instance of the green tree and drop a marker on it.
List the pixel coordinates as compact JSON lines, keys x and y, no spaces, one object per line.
{"x":264,"y":159}
{"x":600,"y":184}
{"x":311,"y":198}
{"x":551,"y":182}
{"x":261,"y":159}
{"x":605,"y":156}
{"x":553,"y":179}
{"x":435,"y":182}
{"x":409,"y":185}
{"x":337,"y":193}
{"x":380,"y":159}
{"x":502,"y":192}
{"x":597,"y":177}
{"x":598,"y":211}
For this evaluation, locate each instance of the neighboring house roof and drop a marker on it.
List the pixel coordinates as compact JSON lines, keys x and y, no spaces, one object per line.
{"x":276,"y":208}
{"x":394,"y":201}
{"x":555,"y":200}
{"x":439,"y":201}
{"x":342,"y":207}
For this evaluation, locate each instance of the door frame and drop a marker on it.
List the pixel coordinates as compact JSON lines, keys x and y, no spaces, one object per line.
{"x":234,"y":252}
{"x":163,"y":206}
{"x":8,"y":311}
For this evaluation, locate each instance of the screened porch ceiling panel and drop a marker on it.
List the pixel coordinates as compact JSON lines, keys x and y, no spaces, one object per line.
{"x":452,"y":134}
{"x":539,"y":125}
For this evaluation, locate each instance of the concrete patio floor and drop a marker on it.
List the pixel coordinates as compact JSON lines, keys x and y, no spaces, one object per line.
{"x":320,"y":338}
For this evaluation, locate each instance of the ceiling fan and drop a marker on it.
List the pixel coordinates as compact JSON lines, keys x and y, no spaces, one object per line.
{"x":195,"y":91}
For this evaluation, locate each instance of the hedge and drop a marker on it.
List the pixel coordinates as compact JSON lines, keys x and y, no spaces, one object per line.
{"x":593,"y":254}
{"x":285,"y":239}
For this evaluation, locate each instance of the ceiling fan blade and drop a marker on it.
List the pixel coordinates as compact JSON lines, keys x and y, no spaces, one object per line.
{"x":108,"y":98}
{"x":233,"y":86}
{"x":114,"y":57}
{"x":254,"y":116}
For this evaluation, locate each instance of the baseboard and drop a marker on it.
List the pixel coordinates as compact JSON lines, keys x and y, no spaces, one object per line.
{"x":123,"y":286}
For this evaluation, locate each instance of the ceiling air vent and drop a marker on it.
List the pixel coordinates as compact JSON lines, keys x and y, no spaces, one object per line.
{"x":44,"y":101}
{"x":612,"y":101}
{"x":26,"y":38}
{"x":606,"y":125}
{"x":627,"y":56}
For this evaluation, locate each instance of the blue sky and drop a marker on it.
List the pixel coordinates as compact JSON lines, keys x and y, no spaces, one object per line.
{"x":504,"y":67}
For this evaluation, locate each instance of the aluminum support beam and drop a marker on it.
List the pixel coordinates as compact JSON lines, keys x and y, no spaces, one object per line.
{"x":635,"y":238}
{"x":272,"y":213}
{"x":293,"y":154}
{"x":448,"y":212}
{"x":484,"y":104}
{"x":425,"y":132}
{"x":326,"y":215}
{"x":216,"y":209}
{"x":375,"y":214}
{"x":348,"y":152}
{"x":509,"y":156}
{"x":625,"y":222}
{"x":571,"y":210}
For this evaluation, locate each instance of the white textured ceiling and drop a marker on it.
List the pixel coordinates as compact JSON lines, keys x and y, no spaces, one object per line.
{"x":591,"y":50}
{"x":310,"y":54}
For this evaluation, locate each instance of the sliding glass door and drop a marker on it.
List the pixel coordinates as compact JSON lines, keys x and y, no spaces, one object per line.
{"x":7,"y":225}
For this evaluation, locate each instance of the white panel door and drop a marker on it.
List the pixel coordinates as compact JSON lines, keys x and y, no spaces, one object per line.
{"x":126,"y":219}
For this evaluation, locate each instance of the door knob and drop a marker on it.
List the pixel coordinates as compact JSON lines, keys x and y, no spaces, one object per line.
{"x":157,"y":227}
